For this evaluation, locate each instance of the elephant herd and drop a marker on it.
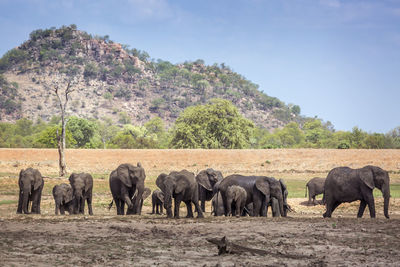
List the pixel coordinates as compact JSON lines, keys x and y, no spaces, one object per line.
{"x":235,"y":195}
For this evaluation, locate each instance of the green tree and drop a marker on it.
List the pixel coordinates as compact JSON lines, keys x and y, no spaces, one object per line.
{"x":357,"y":137}
{"x":156,"y":127}
{"x":106,"y":130}
{"x":215,"y":125}
{"x":48,"y":138}
{"x":291,"y":135}
{"x":316,"y":133}
{"x":82,"y":130}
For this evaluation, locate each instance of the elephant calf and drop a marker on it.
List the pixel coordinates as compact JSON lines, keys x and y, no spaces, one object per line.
{"x":157,"y":201}
{"x":82,"y":186}
{"x":315,"y":187}
{"x":146,"y":194}
{"x":236,"y":195}
{"x":63,"y":198}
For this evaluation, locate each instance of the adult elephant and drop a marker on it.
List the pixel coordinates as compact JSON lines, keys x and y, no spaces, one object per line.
{"x":124,"y":182}
{"x":146,"y":194}
{"x":181,"y":186}
{"x":315,"y":187}
{"x":247,"y":182}
{"x":82,"y":187}
{"x":30,"y":190}
{"x":344,"y":184}
{"x":64,"y":199}
{"x":265,"y":190}
{"x":207,"y":179}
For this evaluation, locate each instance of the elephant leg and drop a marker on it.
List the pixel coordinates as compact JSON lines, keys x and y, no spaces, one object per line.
{"x":82,"y":210}
{"x":203,"y":200}
{"x":153,"y":207}
{"x":199,"y":211}
{"x":329,"y":205}
{"x":57,"y":207}
{"x":361,"y":209}
{"x":161,"y":209}
{"x":177,"y":203}
{"x":189,"y":209}
{"x":122,"y":210}
{"x":35,"y":202}
{"x":371,"y":205}
{"x":118,"y":203}
{"x":89,"y":203}
{"x":62,"y":210}
{"x":39,"y":199}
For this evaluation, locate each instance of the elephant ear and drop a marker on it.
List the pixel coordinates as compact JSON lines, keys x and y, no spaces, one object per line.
{"x":367,"y":177}
{"x":160,"y":181}
{"x":124,"y":175}
{"x":20,"y":177}
{"x":263,"y":186}
{"x":88,"y":181}
{"x":69,"y":195}
{"x":146,"y":193}
{"x":203,"y":180}
{"x":160,"y":196}
{"x":38,"y":180}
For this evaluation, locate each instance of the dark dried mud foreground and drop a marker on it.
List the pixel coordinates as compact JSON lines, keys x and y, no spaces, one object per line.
{"x":153,"y":240}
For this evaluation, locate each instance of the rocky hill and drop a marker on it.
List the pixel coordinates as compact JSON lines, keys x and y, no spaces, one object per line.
{"x":112,"y":80}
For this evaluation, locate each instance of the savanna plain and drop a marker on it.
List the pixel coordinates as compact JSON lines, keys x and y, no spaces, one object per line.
{"x":304,"y":238}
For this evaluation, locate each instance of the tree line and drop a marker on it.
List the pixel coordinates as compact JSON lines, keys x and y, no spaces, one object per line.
{"x":215,"y":125}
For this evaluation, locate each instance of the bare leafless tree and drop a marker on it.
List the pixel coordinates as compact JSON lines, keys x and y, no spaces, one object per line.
{"x":61,"y":139}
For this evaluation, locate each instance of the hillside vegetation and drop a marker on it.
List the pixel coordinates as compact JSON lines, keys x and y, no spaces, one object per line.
{"x":112,"y":80}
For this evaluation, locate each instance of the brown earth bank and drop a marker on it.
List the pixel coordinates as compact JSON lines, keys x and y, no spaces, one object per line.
{"x":295,"y":162}
{"x":149,"y":241}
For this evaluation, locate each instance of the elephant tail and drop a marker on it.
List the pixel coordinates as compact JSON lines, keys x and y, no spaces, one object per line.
{"x":110,"y":205}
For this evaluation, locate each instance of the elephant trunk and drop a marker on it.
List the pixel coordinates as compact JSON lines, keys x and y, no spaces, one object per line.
{"x":386,"y":198}
{"x":168,"y":203}
{"x":25,"y":198}
{"x":281,"y":208}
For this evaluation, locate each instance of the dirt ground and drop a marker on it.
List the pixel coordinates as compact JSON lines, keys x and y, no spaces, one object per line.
{"x":302,"y":239}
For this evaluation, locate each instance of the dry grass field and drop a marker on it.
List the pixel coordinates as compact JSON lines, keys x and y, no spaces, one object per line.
{"x":302,"y":239}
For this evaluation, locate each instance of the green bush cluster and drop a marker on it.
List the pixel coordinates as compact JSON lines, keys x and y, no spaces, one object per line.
{"x":217,"y":124}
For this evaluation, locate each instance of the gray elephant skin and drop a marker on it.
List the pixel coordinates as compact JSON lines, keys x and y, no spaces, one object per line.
{"x":82,"y":186}
{"x":344,"y":184}
{"x":63,"y":198}
{"x":247,"y":182}
{"x":30,"y":190}
{"x":157,"y":201}
{"x":266,"y":188}
{"x":207,"y":179}
{"x":236,"y":195}
{"x":146,"y":194}
{"x":181,"y":186}
{"x":219,"y":210}
{"x":124,"y":182}
{"x":253,"y":194}
{"x":315,"y":187}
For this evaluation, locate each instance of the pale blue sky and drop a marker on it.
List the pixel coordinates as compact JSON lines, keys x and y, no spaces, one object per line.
{"x":337,"y":59}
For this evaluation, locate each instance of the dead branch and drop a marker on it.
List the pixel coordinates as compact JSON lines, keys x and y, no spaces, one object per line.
{"x":226,"y":247}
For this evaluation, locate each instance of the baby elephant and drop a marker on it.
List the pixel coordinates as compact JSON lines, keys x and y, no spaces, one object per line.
{"x":236,"y":195}
{"x":315,"y":187}
{"x":145,"y":195}
{"x":64,"y":198}
{"x":157,"y":201}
